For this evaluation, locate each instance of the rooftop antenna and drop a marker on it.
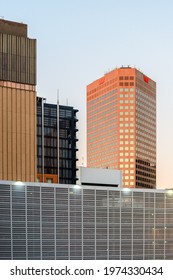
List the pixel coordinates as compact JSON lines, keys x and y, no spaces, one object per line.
{"x":58,"y":134}
{"x":66,"y":101}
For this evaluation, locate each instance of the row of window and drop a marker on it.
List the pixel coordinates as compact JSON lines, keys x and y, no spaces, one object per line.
{"x":126,"y":84}
{"x":126,"y":95}
{"x":126,"y":154}
{"x":126,"y":89}
{"x":126,"y":78}
{"x":126,"y":101}
{"x":145,"y":96}
{"x":126,"y":160}
{"x":127,"y":107}
{"x":146,"y":112}
{"x":102,"y":106}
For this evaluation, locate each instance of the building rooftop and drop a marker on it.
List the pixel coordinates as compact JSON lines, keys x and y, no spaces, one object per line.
{"x":13,"y":28}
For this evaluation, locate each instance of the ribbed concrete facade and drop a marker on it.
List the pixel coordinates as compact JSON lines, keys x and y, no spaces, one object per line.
{"x":17,"y":55}
{"x":17,"y":133}
{"x":17,"y":103}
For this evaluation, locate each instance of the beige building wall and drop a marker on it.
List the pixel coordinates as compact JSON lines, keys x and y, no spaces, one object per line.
{"x":17,"y":132}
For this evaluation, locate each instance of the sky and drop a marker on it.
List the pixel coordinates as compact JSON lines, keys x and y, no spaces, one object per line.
{"x":79,"y":40}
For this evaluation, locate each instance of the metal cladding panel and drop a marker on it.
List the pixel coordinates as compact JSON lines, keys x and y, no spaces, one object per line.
{"x":42,"y":221}
{"x":17,"y":59}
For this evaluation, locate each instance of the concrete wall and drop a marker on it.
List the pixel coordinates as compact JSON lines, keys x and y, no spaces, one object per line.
{"x":13,"y":28}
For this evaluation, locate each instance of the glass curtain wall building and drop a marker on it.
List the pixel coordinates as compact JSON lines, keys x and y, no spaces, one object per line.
{"x":56,"y":143}
{"x":48,"y":221}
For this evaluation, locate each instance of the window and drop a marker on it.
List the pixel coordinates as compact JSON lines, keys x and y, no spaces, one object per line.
{"x":49,"y":180}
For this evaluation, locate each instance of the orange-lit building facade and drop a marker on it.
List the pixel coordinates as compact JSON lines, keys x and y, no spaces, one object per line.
{"x":18,"y":156}
{"x":121,"y":126}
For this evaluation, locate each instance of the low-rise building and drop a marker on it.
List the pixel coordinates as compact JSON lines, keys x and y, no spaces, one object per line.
{"x":68,"y":222}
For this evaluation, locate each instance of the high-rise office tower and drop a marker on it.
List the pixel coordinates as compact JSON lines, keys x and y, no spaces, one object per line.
{"x":56,"y":143}
{"x":17,"y":103}
{"x":121,"y":125}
